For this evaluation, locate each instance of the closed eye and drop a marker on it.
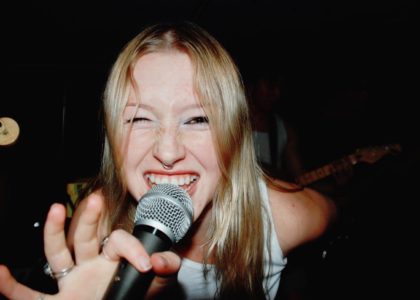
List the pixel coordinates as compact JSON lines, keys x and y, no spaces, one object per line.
{"x":137,"y":120}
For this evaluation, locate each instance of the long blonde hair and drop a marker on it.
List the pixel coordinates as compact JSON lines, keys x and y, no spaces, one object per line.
{"x":236,"y":237}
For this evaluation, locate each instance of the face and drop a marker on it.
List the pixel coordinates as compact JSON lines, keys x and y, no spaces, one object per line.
{"x":268,"y":94}
{"x":169,"y":127}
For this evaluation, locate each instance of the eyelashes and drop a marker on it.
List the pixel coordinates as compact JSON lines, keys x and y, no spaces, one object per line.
{"x":136,"y":120}
{"x":198,"y":122}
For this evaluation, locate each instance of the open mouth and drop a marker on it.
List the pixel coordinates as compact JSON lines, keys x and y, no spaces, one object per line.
{"x":183,"y":181}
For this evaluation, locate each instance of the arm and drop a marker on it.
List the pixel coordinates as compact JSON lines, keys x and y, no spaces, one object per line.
{"x":300,"y":217}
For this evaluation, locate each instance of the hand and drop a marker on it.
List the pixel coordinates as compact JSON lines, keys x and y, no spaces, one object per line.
{"x":92,"y":270}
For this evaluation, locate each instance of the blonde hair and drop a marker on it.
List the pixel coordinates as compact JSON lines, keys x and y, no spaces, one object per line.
{"x":236,"y":237}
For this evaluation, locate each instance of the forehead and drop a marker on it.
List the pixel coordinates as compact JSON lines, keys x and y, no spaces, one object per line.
{"x":172,"y":68}
{"x":164,"y":78}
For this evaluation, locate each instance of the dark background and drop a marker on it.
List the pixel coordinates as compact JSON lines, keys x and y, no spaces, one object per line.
{"x":57,"y":54}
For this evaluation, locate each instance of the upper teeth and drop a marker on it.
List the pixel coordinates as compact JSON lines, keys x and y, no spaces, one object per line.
{"x":178,"y":180}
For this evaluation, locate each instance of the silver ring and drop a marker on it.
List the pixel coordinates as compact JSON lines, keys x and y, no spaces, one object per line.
{"x":56,"y":275}
{"x":167,"y":167}
{"x":101,"y":248}
{"x":41,"y":297}
{"x":103,"y":243}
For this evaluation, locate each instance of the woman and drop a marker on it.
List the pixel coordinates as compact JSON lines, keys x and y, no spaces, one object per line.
{"x":175,"y":110}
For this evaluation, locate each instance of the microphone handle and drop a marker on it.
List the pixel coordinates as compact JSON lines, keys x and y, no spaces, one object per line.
{"x":127,"y":282}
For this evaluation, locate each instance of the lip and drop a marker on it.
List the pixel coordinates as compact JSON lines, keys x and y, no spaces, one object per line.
{"x":189,"y":188}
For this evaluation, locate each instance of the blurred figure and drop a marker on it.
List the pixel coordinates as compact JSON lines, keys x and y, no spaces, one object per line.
{"x":277,"y":148}
{"x":275,"y":140}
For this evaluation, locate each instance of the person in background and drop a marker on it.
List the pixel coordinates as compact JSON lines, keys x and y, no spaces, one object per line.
{"x":277,"y":149}
{"x":275,"y":140}
{"x":175,"y":110}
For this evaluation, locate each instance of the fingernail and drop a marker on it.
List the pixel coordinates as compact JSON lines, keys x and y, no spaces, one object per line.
{"x":145,"y":263}
{"x":163,"y":260}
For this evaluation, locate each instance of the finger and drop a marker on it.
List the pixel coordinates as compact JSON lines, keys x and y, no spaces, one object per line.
{"x":86,"y":242}
{"x":166,"y":266}
{"x":56,"y":251}
{"x":122,"y":244}
{"x":12,"y":289}
{"x":165,"y":263}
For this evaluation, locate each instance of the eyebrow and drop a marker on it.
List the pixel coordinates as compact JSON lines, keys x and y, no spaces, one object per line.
{"x":149,"y":107}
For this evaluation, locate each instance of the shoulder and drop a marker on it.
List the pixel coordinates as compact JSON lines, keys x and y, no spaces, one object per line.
{"x":299,"y":216}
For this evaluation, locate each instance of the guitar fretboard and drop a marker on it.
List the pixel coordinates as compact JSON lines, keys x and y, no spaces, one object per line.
{"x":326,"y":170}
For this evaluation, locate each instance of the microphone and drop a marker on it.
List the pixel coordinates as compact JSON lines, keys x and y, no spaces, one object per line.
{"x":163,"y":216}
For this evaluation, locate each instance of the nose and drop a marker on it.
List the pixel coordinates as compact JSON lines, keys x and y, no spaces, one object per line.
{"x":169,"y":147}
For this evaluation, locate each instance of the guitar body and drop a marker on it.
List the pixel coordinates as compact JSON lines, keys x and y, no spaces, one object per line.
{"x":9,"y":131}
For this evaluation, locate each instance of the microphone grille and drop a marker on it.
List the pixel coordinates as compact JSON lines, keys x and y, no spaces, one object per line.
{"x":168,"y":208}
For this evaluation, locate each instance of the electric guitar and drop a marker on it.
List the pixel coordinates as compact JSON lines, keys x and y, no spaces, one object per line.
{"x":369,"y":155}
{"x":9,"y":131}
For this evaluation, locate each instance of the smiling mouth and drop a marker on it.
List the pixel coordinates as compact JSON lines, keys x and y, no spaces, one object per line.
{"x":183,"y":181}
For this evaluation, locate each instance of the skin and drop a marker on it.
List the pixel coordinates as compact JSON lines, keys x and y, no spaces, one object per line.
{"x":169,"y":128}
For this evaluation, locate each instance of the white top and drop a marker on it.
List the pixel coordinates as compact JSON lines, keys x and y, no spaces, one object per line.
{"x":263,"y":148}
{"x":195,"y":286}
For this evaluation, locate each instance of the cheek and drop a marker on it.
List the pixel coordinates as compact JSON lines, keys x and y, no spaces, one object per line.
{"x":132,"y":157}
{"x":137,"y":148}
{"x":138,"y":145}
{"x":211,"y":162}
{"x":202,"y":146}
{"x":204,"y":151}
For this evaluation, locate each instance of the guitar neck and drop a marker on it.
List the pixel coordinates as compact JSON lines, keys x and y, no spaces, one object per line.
{"x":326,"y":170}
{"x":368,"y":155}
